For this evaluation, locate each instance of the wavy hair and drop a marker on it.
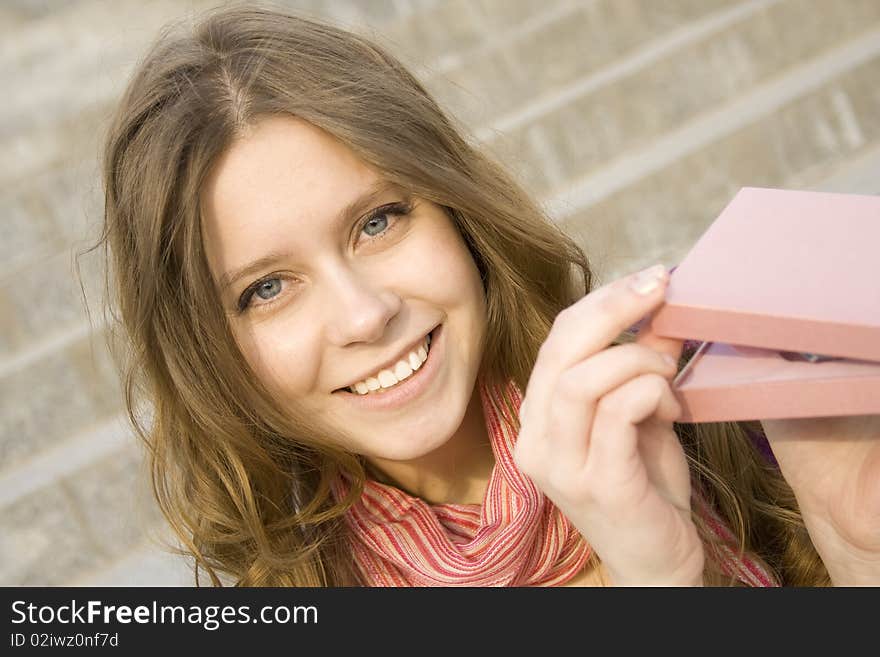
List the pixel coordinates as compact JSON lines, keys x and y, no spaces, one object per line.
{"x":243,"y":482}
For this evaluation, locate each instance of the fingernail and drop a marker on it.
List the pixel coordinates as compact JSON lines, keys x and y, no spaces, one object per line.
{"x":669,"y":359}
{"x":648,"y":280}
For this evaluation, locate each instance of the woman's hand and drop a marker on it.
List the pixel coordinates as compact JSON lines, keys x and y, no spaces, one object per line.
{"x":833,"y":466}
{"x":596,"y":436}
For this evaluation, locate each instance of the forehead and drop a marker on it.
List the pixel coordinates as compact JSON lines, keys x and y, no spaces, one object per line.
{"x":280,"y":159}
{"x":283,"y":170}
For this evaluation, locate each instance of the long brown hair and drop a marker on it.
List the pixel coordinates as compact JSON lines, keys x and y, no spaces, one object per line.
{"x":245,"y":483}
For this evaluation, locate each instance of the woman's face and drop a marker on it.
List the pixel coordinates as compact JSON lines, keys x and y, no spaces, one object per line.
{"x":350,"y":277}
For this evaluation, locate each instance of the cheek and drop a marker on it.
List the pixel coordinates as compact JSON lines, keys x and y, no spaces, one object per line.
{"x":444,"y":265}
{"x":284,"y":366}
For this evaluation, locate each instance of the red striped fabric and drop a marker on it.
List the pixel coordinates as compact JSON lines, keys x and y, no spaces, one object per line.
{"x":745,"y":569}
{"x":516,"y":537}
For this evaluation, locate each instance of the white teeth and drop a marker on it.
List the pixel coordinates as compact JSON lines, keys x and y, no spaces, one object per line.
{"x":387,"y":378}
{"x":402,"y":370}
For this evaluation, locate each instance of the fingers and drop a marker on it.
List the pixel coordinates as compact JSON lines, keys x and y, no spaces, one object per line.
{"x":648,"y":338}
{"x":591,"y":324}
{"x":614,"y":435}
{"x":616,"y":365}
{"x":580,"y":388}
{"x":665,"y":461}
{"x":597,"y":319}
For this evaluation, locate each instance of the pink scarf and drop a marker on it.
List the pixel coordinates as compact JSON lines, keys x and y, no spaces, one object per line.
{"x":516,"y":537}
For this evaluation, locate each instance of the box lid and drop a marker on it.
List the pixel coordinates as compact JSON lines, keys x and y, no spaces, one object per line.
{"x":783,"y":269}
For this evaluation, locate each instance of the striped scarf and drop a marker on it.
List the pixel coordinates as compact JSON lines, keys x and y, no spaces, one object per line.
{"x":516,"y":537}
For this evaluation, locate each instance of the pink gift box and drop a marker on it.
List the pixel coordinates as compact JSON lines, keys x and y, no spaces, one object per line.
{"x":780,"y":276}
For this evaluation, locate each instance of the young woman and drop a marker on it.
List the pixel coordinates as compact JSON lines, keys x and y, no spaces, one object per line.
{"x":372,"y":360}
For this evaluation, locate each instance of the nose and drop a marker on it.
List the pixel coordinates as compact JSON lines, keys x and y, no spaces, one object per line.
{"x":359,"y":308}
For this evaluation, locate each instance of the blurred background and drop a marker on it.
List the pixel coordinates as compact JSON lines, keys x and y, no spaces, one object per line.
{"x":633,"y":121}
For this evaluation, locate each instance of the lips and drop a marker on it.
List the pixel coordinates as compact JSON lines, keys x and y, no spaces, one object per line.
{"x":390,"y":363}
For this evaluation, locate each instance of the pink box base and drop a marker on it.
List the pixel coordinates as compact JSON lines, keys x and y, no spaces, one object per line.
{"x":726,"y":383}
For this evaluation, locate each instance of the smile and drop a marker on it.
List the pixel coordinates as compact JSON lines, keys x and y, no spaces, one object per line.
{"x":397,"y":384}
{"x":401,"y":370}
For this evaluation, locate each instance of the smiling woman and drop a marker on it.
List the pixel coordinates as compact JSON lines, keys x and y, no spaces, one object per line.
{"x":334,"y":305}
{"x":356,"y":293}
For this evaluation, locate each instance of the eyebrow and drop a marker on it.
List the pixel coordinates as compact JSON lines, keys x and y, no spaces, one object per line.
{"x":359,"y":205}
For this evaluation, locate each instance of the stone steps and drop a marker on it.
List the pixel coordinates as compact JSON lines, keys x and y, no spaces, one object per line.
{"x":584,"y":39}
{"x":748,"y":108}
{"x":64,"y":391}
{"x":798,"y":144}
{"x":606,"y":121}
{"x":79,"y":519}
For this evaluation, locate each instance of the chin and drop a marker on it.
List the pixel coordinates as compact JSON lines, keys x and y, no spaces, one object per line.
{"x":410,"y":452}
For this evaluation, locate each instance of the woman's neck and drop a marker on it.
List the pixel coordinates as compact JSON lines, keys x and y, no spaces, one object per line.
{"x":456,"y":473}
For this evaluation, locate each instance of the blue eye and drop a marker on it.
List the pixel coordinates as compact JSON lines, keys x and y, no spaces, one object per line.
{"x":378,"y":220}
{"x":266,"y":289}
{"x":268,"y":286}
